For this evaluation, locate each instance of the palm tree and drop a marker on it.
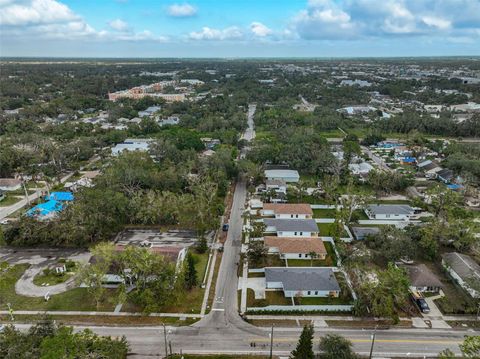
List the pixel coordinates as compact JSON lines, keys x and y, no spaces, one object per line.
{"x":313,"y":255}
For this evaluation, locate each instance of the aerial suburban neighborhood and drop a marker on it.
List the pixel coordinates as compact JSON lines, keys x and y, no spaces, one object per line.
{"x":274,"y":207}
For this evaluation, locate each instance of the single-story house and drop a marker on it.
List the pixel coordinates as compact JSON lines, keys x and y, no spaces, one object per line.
{"x":131,"y":145}
{"x":278,"y":197}
{"x":10,"y":184}
{"x":291,"y":227}
{"x":430,"y":168}
{"x":422,"y":279}
{"x":464,"y":270}
{"x":304,"y":282}
{"x":360,"y":169}
{"x":401,"y":212}
{"x":210,"y":143}
{"x":149,"y":111}
{"x":360,"y":233}
{"x":445,"y":175}
{"x":282,"y":174}
{"x":276,"y":185}
{"x":287,"y":210}
{"x":296,"y":248}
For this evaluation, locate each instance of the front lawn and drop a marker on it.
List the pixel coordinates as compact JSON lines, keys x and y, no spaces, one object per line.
{"x":74,"y":299}
{"x":271,"y":298}
{"x":9,"y":200}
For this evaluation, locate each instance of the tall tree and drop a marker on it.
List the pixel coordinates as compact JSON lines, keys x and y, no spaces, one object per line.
{"x":304,"y":349}
{"x":334,"y":346}
{"x":190,"y":272}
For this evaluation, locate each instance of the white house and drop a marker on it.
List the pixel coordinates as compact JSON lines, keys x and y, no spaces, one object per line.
{"x":131,"y":145}
{"x":10,"y":184}
{"x":296,"y":248}
{"x":400,"y":212}
{"x":282,"y":174}
{"x":464,"y":270}
{"x":360,"y":169}
{"x":279,"y":186}
{"x":291,"y":227}
{"x":303,"y":282}
{"x":287,"y":210}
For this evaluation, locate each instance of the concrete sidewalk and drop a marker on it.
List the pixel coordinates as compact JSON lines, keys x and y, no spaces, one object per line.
{"x":108,"y":314}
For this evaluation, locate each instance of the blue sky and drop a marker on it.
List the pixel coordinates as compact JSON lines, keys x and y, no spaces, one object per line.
{"x":242,"y":28}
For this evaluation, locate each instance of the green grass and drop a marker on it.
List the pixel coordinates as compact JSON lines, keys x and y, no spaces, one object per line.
{"x":272,"y":260}
{"x":359,"y":214}
{"x":51,"y":278}
{"x":74,"y":299}
{"x":321,"y":301}
{"x":324,"y":213}
{"x":328,"y":230}
{"x":327,"y":262}
{"x":188,"y":301}
{"x":331,"y":252}
{"x":9,"y":200}
{"x":271,"y":298}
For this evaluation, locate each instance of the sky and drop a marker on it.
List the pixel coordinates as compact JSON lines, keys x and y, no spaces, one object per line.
{"x":239,"y":28}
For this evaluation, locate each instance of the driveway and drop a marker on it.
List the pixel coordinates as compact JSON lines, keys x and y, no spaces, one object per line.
{"x":25,"y":286}
{"x":258,"y":285}
{"x":40,"y":259}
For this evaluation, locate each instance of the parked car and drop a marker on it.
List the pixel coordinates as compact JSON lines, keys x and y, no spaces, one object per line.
{"x":421,"y":303}
{"x":225,"y":227}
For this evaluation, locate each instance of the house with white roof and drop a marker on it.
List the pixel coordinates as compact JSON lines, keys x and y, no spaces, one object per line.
{"x":400,"y":212}
{"x":282,"y":174}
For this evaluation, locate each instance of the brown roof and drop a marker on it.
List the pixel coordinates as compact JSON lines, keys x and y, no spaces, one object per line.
{"x":296,"y":244}
{"x":421,"y":276}
{"x":9,"y":182}
{"x":289,"y":208}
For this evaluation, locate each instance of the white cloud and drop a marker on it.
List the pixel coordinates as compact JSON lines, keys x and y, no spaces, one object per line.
{"x":323,"y":19}
{"x":35,"y":12}
{"x":437,"y":22}
{"x":207,"y":33}
{"x":118,"y":25}
{"x":357,"y":19}
{"x":259,"y":29}
{"x":181,"y":10}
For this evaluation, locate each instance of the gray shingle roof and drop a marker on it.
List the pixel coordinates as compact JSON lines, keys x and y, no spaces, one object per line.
{"x":298,"y":279}
{"x":390,"y":209}
{"x":463,"y":265}
{"x":421,"y":276}
{"x":298,"y":225}
{"x":361,"y":232}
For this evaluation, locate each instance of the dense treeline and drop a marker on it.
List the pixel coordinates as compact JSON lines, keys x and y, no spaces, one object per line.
{"x":47,"y":340}
{"x":135,"y":190}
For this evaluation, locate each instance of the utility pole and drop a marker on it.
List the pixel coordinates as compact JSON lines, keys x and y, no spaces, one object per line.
{"x":165,"y":337}
{"x":271,"y":343}
{"x":373,"y":342}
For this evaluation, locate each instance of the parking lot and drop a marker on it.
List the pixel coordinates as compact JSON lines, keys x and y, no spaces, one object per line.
{"x":156,"y":238}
